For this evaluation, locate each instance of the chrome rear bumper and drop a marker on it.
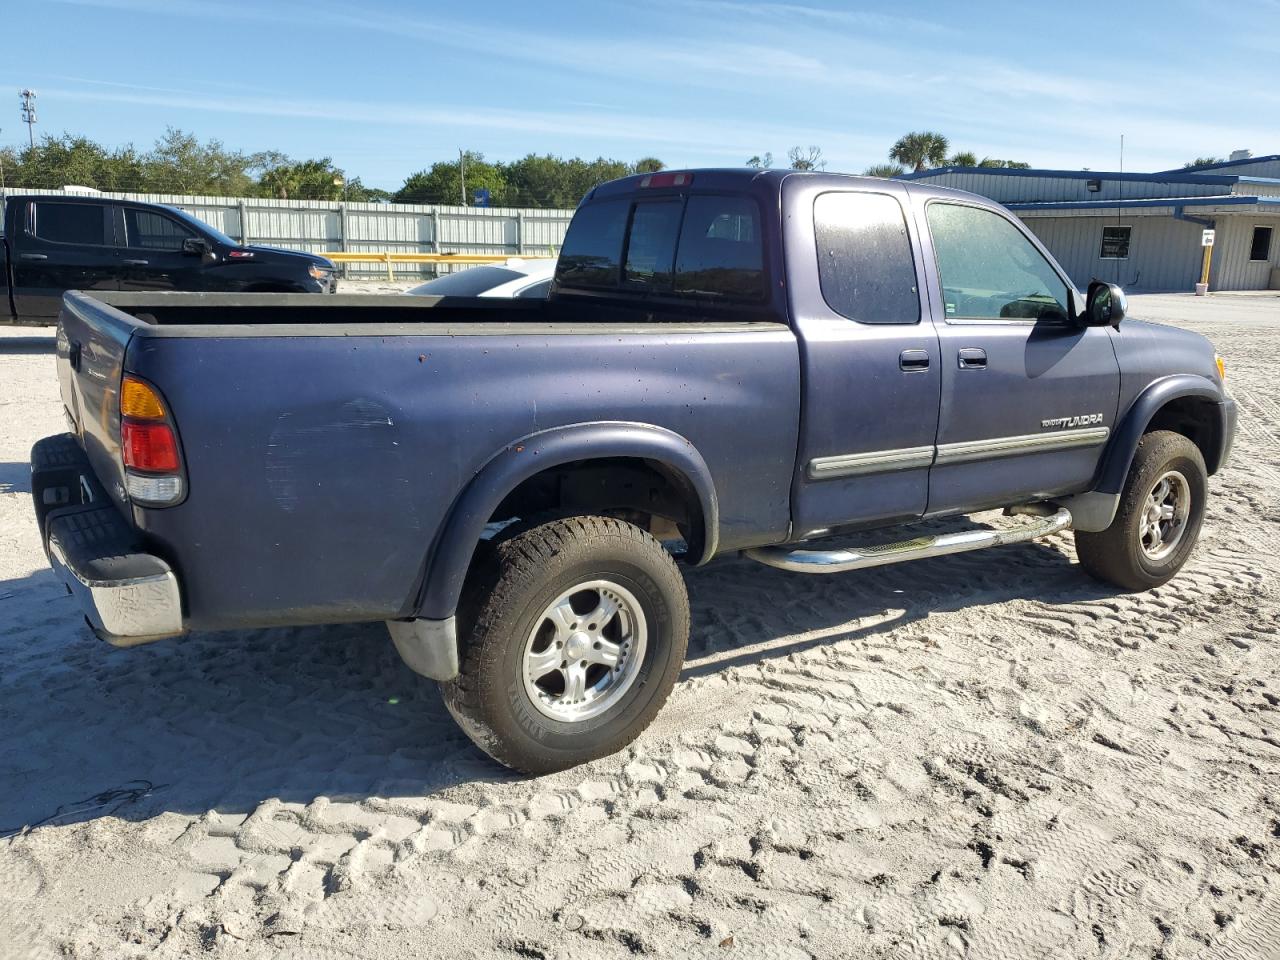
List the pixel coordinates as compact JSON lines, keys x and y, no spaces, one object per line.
{"x":128,"y":596}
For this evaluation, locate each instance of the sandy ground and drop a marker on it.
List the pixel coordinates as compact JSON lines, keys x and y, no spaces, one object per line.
{"x":982,"y":756}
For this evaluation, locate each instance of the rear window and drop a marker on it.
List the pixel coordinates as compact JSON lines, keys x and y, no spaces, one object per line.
{"x":592,"y":250}
{"x":466,"y":283}
{"x":705,"y":246}
{"x":80,"y":223}
{"x":720,"y":252}
{"x":651,"y":244}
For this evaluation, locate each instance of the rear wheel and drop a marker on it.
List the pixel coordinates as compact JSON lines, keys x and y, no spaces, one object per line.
{"x":1159,"y":517}
{"x":577,"y":632}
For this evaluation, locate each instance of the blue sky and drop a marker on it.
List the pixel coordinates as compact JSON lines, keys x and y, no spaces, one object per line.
{"x":387,"y":87}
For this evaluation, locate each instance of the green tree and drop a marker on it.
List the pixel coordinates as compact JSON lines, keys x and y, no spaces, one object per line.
{"x":1201,"y":162}
{"x":286,"y":179}
{"x":180,"y":163}
{"x":442,"y":182}
{"x":1004,"y":164}
{"x":965,"y":158}
{"x":761,"y":161}
{"x":550,"y":181}
{"x":648,"y":165}
{"x":64,"y":160}
{"x":886,"y":170}
{"x":357,"y":192}
{"x":806,"y":158}
{"x":920,"y":150}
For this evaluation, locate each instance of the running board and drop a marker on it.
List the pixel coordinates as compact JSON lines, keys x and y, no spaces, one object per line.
{"x":921,"y":548}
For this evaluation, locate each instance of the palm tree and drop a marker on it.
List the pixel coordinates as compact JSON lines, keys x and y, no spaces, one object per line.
{"x":922,"y":150}
{"x":886,"y":170}
{"x":965,"y":158}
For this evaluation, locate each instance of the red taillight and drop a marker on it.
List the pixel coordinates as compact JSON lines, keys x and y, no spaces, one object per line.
{"x":149,"y":446}
{"x":667,"y":180}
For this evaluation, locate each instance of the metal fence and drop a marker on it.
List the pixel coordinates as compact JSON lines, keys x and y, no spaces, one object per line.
{"x":329,"y":226}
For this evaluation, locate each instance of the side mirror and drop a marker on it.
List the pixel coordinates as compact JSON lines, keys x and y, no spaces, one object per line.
{"x":1106,"y":305}
{"x":195,"y":247}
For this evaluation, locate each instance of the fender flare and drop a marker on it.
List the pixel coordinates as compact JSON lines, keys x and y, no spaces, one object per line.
{"x":449,"y":560}
{"x":1124,"y":441}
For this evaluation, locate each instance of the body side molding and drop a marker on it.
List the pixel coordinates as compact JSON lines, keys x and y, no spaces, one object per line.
{"x":908,"y":458}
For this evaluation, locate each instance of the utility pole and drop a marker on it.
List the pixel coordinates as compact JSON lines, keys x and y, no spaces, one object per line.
{"x":29,"y":114}
{"x":462,"y":169}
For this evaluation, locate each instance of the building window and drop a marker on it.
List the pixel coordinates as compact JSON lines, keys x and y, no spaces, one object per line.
{"x":1115,"y":243}
{"x":1260,"y":246}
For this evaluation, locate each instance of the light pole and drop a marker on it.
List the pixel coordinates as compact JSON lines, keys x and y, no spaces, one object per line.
{"x":29,"y":114}
{"x":462,"y":171}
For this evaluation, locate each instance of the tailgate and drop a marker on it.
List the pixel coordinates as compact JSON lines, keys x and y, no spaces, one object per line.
{"x":92,"y":339}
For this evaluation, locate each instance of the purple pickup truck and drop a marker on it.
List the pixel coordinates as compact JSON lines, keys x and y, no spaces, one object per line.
{"x":728,"y":362}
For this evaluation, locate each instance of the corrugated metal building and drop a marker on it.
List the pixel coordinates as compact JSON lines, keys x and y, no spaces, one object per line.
{"x":1143,"y":230}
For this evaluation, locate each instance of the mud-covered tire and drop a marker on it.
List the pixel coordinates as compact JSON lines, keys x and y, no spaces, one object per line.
{"x":509,"y":598}
{"x":1119,"y":555}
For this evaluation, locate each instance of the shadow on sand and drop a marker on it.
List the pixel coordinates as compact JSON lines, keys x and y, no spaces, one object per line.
{"x":222,"y":721}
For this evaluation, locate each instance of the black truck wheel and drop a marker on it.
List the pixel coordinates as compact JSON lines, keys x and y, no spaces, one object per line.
{"x":1158,"y":520}
{"x":573,"y":633}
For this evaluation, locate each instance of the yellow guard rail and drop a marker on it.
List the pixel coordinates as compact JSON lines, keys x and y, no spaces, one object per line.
{"x":471,"y":259}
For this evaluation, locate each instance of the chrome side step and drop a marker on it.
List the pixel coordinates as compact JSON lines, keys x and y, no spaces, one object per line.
{"x":921,"y":548}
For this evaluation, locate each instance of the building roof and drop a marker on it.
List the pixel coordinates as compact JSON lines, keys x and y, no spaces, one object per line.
{"x":1226,"y":163}
{"x":1268,"y":204}
{"x":1164,"y":176}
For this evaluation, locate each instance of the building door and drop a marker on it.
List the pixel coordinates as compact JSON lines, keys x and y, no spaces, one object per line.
{"x":1029,"y":394}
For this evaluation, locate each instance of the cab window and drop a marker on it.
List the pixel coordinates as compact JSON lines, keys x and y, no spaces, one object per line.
{"x":720,"y":255}
{"x":865,"y":265}
{"x":592,"y":250}
{"x":153,"y":231}
{"x":703,"y":247}
{"x":84,"y":224}
{"x":989,"y":270}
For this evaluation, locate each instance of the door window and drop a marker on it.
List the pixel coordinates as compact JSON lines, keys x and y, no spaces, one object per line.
{"x":79,"y":223}
{"x":865,"y":266}
{"x":989,"y":270}
{"x":147,"y":230}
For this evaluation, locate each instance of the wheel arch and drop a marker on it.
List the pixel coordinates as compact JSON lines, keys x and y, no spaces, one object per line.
{"x":1186,"y":403}
{"x":532,"y":456}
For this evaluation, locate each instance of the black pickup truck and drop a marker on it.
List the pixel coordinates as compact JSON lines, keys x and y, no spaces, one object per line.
{"x":54,"y":243}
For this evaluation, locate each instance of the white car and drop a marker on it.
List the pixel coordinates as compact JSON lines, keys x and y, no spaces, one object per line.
{"x":514,"y":278}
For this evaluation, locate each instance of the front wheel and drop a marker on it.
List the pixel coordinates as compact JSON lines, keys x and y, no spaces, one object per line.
{"x":1159,"y":517}
{"x":577,"y":632}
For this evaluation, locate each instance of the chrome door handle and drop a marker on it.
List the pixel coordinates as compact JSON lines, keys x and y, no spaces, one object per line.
{"x":913,"y":360}
{"x":973,"y":358}
{"x":34,"y":256}
{"x":135,"y":263}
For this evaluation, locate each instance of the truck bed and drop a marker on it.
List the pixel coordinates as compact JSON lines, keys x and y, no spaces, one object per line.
{"x":327,"y":438}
